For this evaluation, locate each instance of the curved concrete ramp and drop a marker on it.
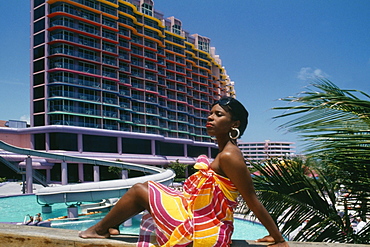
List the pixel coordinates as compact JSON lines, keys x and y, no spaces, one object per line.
{"x":93,"y":191}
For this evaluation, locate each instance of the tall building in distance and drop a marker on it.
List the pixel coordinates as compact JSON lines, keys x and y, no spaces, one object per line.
{"x":260,"y":151}
{"x":119,"y":65}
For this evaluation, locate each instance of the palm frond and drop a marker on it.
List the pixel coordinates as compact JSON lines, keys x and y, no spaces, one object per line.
{"x":304,"y":207}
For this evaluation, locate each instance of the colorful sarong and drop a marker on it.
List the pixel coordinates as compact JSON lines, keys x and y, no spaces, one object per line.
{"x":202,"y":215}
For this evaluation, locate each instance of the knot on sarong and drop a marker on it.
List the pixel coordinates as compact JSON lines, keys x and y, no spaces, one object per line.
{"x":202,"y":163}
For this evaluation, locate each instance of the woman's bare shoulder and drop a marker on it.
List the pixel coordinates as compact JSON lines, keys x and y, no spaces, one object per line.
{"x":231,"y":155}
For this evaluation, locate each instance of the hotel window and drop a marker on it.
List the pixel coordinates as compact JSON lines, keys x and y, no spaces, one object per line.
{"x":137,"y":61}
{"x":137,"y":72}
{"x":63,"y":35}
{"x":124,"y":67}
{"x":38,"y":2}
{"x":87,"y":54}
{"x":180,"y":60}
{"x":108,"y":9}
{"x":170,"y":66}
{"x":150,"y":65}
{"x":150,"y":44}
{"x":123,"y":90}
{"x":124,"y":31}
{"x":150,"y":23}
{"x":172,"y":116}
{"x":84,"y":40}
{"x":162,"y":123}
{"x":138,"y":95}
{"x":110,"y":60}
{"x":181,"y":97}
{"x":109,"y":98}
{"x":108,"y":22}
{"x":89,"y":3}
{"x":170,"y":76}
{"x":136,"y":50}
{"x":124,"y":55}
{"x":150,"y":76}
{"x":89,"y":15}
{"x":109,"y":47}
{"x":87,"y":67}
{"x":124,"y":8}
{"x":180,"y":69}
{"x":88,"y":28}
{"x":150,"y":54}
{"x":137,"y":107}
{"x":125,"y":20}
{"x":181,"y":107}
{"x":204,"y":46}
{"x":171,"y":105}
{"x":180,"y":78}
{"x":150,"y":86}
{"x":161,"y":61}
{"x":136,"y":39}
{"x":108,"y":72}
{"x":176,"y":29}
{"x":137,"y":83}
{"x":61,"y":49}
{"x":160,"y":72}
{"x":62,"y":21}
{"x":178,"y":50}
{"x":109,"y":85}
{"x":39,"y":39}
{"x":38,"y":79}
{"x":38,"y":26}
{"x":39,"y":12}
{"x":151,"y":33}
{"x":161,"y":81}
{"x":162,"y":102}
{"x":147,"y":9}
{"x":182,"y":117}
{"x":88,"y":81}
{"x":124,"y":78}
{"x":151,"y":109}
{"x":62,"y":62}
{"x":109,"y":111}
{"x":39,"y":52}
{"x":150,"y":98}
{"x":151,"y":120}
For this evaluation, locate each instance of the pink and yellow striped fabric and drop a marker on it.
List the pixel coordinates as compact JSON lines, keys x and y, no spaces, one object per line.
{"x":202,"y":215}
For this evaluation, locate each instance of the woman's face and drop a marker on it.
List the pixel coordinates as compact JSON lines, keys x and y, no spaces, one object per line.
{"x":219,"y":121}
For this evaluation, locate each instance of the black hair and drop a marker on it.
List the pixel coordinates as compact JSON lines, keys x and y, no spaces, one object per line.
{"x":237,"y":111}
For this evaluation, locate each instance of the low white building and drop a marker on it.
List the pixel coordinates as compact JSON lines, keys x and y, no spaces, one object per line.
{"x":259,"y":151}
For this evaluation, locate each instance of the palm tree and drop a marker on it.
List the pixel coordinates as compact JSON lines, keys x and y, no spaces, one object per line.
{"x":303,"y":202}
{"x":334,"y":121}
{"x":335,"y":125}
{"x":295,"y":198}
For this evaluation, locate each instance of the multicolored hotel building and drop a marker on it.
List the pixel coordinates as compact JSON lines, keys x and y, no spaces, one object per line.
{"x":115,"y":79}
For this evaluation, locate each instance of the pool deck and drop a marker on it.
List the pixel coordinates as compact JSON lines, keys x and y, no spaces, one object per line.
{"x":33,"y":236}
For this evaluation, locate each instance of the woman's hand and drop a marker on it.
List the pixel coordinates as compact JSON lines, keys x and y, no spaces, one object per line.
{"x":271,"y":239}
{"x":267,"y":238}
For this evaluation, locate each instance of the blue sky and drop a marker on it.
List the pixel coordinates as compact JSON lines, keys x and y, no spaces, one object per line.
{"x":270,"y":48}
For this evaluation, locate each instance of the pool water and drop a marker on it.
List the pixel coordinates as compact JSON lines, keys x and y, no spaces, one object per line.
{"x":14,"y":209}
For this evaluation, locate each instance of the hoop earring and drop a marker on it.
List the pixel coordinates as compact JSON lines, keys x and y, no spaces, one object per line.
{"x":213,"y":138}
{"x":237,"y":134}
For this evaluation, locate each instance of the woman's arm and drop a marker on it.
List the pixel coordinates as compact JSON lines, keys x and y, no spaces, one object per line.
{"x":233,"y":166}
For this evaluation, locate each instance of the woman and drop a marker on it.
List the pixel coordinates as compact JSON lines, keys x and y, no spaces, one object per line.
{"x":38,"y":218}
{"x":203,"y":214}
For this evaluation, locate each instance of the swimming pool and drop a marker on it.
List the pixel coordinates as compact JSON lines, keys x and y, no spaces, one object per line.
{"x":14,"y":208}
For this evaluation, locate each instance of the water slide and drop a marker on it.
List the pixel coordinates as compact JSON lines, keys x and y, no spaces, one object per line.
{"x":91,"y":191}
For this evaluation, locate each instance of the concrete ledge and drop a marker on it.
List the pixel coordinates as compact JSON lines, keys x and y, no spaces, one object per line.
{"x":33,"y":236}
